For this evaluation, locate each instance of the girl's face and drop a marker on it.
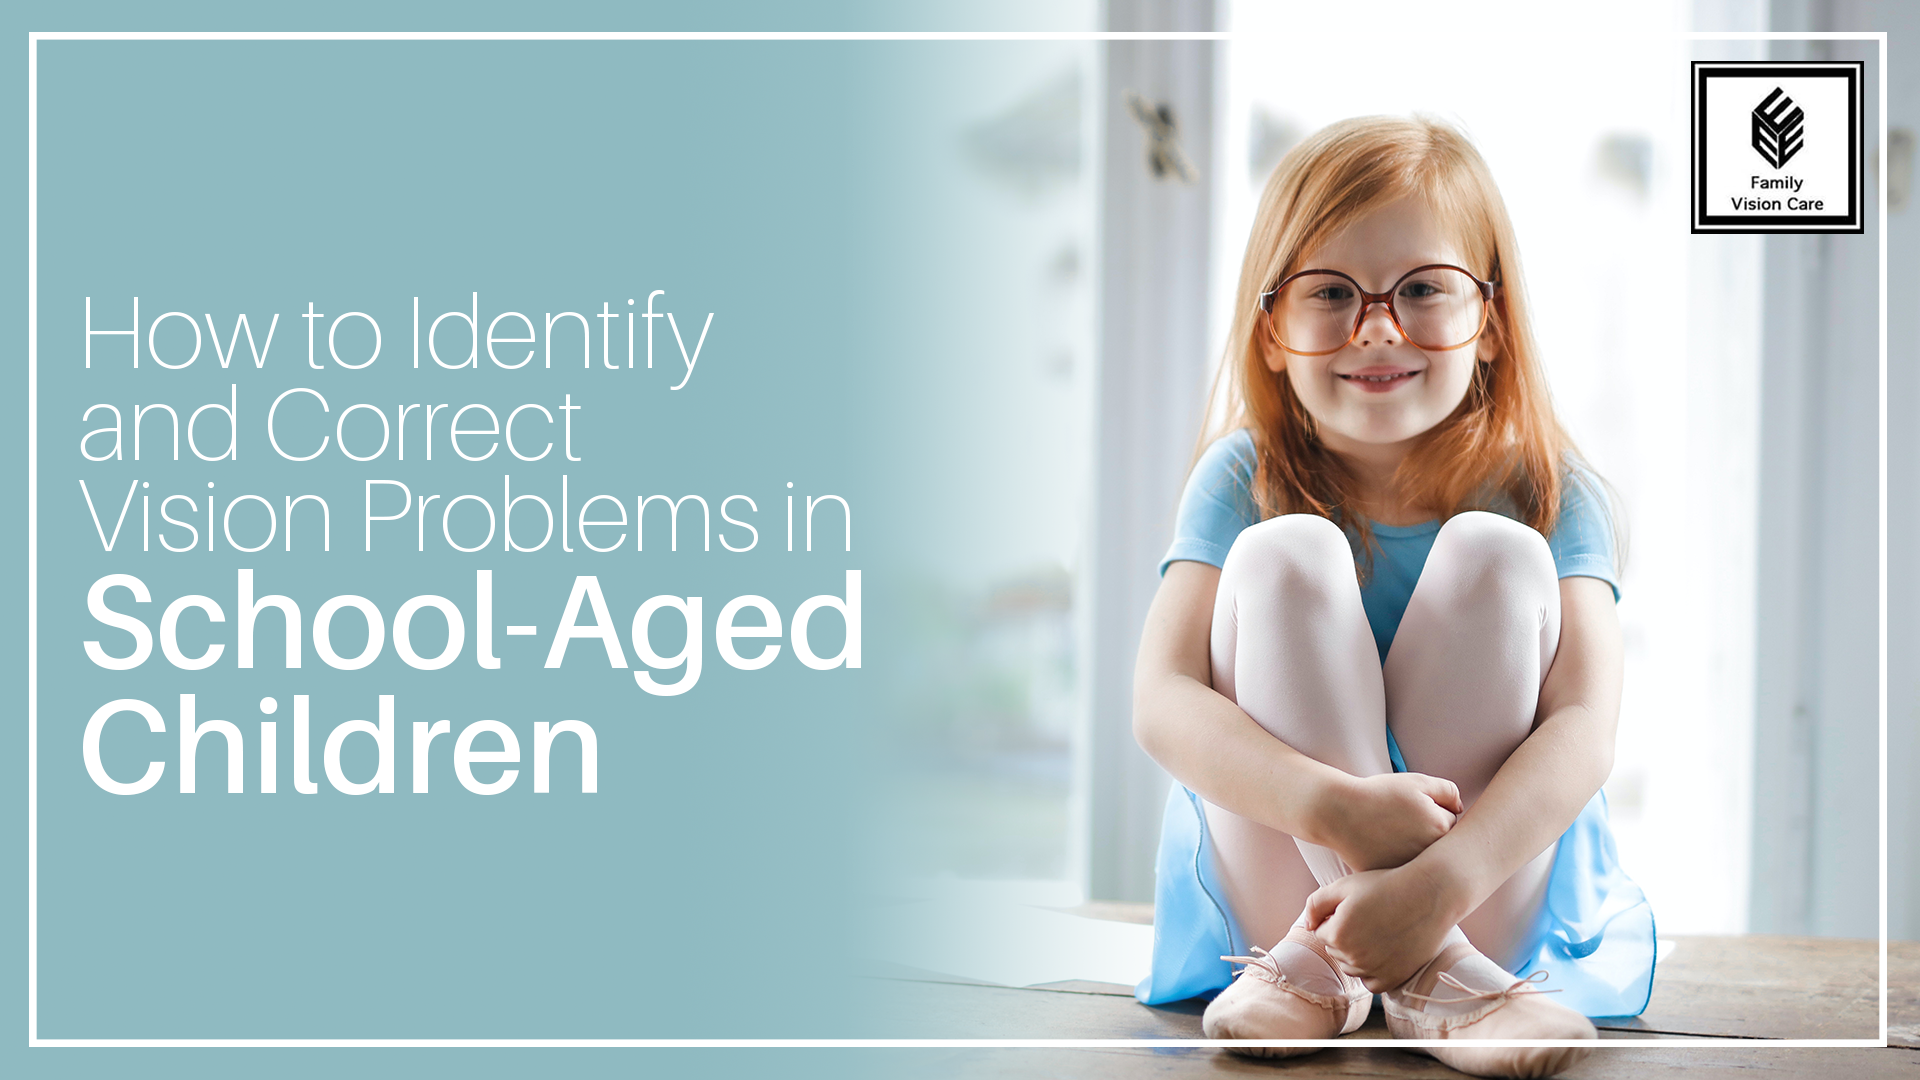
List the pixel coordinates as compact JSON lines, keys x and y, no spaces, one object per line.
{"x":1380,"y":391}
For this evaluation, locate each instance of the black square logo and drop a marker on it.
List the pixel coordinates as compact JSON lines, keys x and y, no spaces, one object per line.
{"x":1777,"y":147}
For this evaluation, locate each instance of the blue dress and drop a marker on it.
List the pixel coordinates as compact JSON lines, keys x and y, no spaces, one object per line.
{"x":1595,"y":936}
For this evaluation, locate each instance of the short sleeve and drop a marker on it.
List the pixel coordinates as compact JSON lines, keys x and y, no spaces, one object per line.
{"x":1217,"y":503}
{"x":1582,"y":542}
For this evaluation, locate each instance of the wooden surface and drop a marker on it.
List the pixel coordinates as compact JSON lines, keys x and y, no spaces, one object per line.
{"x":1903,"y":993}
{"x":1753,"y":987}
{"x":1765,"y":988}
{"x":1624,"y":1063}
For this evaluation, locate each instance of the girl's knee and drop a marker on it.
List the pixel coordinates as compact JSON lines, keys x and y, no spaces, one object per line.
{"x":1488,"y":547}
{"x":1290,"y":552}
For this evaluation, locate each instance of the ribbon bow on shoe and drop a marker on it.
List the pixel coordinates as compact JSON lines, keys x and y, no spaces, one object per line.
{"x":1293,"y":992}
{"x":1527,"y":985}
{"x":1502,"y":1007}
{"x":1264,"y":965}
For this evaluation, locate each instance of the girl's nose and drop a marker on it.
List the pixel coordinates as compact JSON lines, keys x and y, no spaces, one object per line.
{"x":1376,"y":326}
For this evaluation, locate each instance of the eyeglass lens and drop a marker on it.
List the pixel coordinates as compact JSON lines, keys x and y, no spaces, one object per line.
{"x":1437,"y":308}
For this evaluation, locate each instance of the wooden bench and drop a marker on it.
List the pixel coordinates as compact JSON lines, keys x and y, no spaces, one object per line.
{"x":1753,"y":987}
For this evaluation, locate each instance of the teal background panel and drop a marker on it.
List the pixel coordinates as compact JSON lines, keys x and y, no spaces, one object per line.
{"x":710,"y":888}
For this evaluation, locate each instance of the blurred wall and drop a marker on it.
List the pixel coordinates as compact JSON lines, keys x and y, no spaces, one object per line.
{"x":1816,"y":853}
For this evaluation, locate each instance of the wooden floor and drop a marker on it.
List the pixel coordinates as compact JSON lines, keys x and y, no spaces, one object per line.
{"x":1758,"y":988}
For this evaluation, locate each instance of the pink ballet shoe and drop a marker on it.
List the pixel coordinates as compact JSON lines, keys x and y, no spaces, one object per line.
{"x":1461,"y":995}
{"x":1293,"y":992}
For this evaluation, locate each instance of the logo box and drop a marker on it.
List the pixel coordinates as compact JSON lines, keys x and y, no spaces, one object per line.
{"x":1778,"y":147}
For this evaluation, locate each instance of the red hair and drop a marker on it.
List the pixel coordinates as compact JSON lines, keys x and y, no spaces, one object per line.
{"x":1502,"y":444}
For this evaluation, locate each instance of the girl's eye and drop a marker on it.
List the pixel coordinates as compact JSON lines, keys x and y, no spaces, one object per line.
{"x":1333,"y":294}
{"x":1420,"y":290}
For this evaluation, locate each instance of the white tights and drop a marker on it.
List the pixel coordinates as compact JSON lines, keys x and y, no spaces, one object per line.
{"x":1292,"y":646}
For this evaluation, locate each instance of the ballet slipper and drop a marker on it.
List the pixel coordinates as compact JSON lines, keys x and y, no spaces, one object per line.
{"x":1462,"y":995}
{"x":1293,"y":992}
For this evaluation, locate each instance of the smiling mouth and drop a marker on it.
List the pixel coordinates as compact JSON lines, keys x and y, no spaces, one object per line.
{"x":1381,"y":380}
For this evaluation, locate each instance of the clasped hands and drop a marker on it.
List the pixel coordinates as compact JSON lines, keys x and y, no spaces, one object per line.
{"x":1389,"y":917}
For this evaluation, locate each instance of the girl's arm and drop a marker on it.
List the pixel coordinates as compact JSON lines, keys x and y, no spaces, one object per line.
{"x":1207,"y":743}
{"x":1384,"y":926}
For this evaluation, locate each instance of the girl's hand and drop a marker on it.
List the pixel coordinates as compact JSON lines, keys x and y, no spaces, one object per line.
{"x":1383,"y":821}
{"x":1381,"y":926}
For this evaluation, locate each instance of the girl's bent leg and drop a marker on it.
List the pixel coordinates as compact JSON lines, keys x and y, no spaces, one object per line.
{"x":1463,"y":684}
{"x":1292,"y":647}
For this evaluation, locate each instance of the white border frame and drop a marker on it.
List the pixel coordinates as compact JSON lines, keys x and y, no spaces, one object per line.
{"x":33,"y":473}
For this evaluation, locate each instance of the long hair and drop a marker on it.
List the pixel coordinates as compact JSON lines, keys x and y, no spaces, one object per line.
{"x":1503,"y":444}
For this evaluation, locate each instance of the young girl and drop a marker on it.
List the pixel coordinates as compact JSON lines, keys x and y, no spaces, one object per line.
{"x":1383,"y":662}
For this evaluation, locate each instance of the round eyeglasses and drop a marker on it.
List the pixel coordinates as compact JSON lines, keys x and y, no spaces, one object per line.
{"x":1437,"y":307}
